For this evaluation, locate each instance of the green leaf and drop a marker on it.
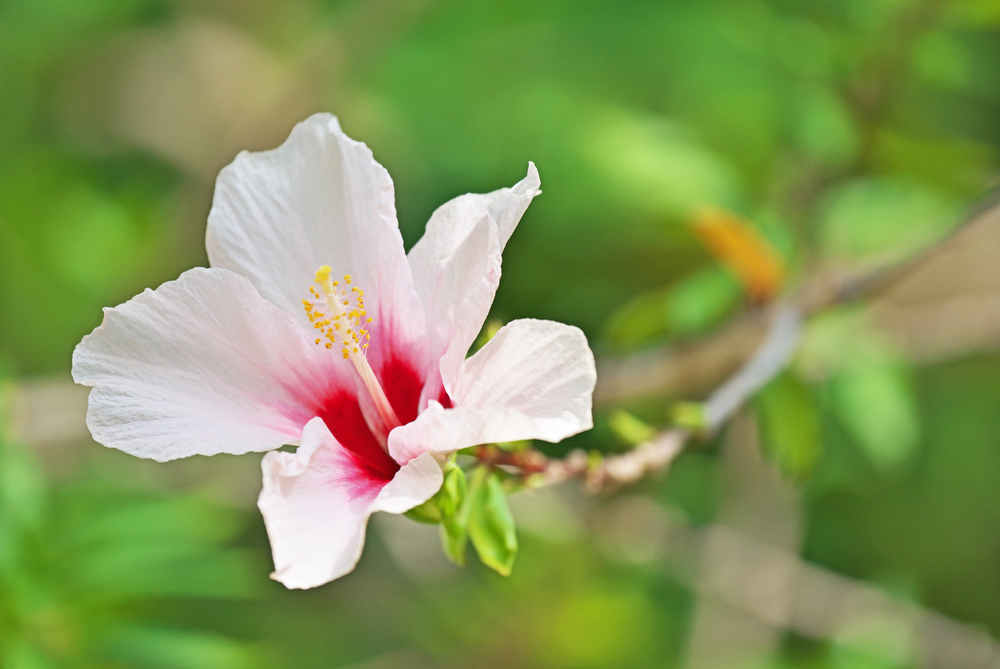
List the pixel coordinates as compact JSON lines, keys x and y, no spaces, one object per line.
{"x":452,"y":494}
{"x":823,"y":127}
{"x":490,"y":524}
{"x":690,"y":306}
{"x":428,"y":513}
{"x":689,"y":415}
{"x":630,"y":428}
{"x":454,"y":531}
{"x":877,"y":405}
{"x":702,"y":300}
{"x":444,"y":509}
{"x":885,"y":217}
{"x":162,"y":648}
{"x":444,"y":505}
{"x":657,"y":165}
{"x":454,"y":541}
{"x":790,"y":425}
{"x":870,"y":387}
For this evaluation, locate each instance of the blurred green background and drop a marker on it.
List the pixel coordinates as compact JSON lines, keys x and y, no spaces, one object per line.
{"x":846,"y":132}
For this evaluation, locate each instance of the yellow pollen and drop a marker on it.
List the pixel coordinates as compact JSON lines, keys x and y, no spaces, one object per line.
{"x":334,"y":305}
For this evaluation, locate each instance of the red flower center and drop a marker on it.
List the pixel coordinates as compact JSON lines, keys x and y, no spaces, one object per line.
{"x":342,"y":415}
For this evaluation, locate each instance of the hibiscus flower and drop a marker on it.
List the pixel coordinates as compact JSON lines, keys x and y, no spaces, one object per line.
{"x":314,"y":328}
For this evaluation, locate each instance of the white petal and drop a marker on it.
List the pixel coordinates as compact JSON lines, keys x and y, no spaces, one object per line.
{"x":533,"y":380}
{"x":415,"y":483}
{"x":456,"y":266}
{"x":318,"y":199}
{"x":202,"y":365}
{"x":316,"y":503}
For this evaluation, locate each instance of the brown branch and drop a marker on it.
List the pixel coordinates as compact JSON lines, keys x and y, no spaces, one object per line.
{"x":599,"y":473}
{"x":602,"y":473}
{"x":757,"y":346}
{"x":694,"y":369}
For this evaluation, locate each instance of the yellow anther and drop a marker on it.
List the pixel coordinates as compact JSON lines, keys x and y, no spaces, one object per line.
{"x":339,"y":303}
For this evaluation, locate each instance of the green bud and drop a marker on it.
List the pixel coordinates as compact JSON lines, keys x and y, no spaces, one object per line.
{"x":690,"y":415}
{"x":444,"y":505}
{"x":490,"y":524}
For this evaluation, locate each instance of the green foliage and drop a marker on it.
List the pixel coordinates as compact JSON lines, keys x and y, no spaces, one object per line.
{"x":849,"y":131}
{"x":490,"y":525}
{"x":475,"y":510}
{"x":630,"y":428}
{"x":77,"y":563}
{"x":883,"y":216}
{"x":869,"y":388}
{"x":448,"y":508}
{"x":689,"y":307}
{"x":690,"y":416}
{"x":877,"y":406}
{"x":790,"y":425}
{"x":453,"y":533}
{"x":824,"y":129}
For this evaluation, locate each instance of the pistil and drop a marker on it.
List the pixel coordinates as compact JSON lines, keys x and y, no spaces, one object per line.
{"x":340,"y":317}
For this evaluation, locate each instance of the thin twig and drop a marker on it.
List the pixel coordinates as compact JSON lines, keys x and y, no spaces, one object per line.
{"x":768,"y":361}
{"x":696,"y":368}
{"x":761,"y":344}
{"x":655,"y":455}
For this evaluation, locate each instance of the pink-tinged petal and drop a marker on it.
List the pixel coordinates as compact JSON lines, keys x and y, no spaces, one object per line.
{"x":415,"y":483}
{"x":318,"y":199}
{"x":456,"y":270}
{"x":201,"y":365}
{"x":533,"y":380}
{"x":316,"y":503}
